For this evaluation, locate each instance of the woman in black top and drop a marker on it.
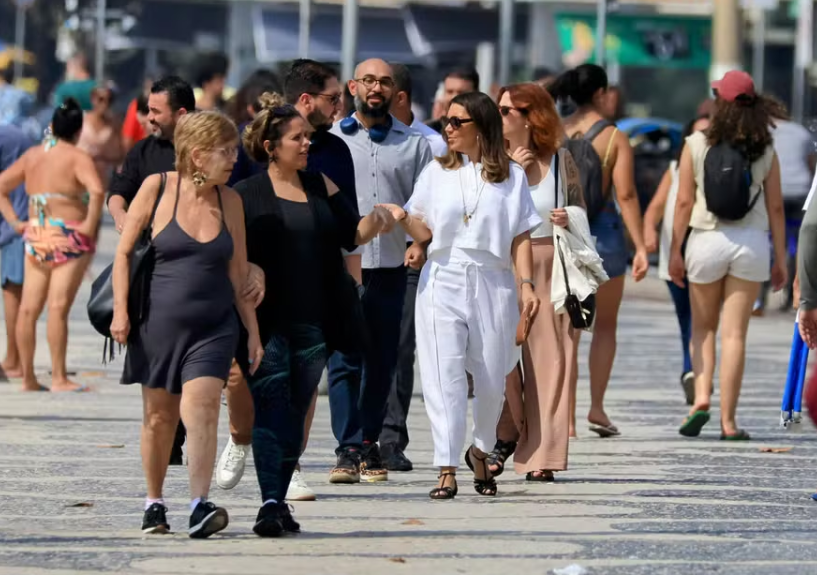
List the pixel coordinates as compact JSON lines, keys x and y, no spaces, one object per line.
{"x":296,"y":225}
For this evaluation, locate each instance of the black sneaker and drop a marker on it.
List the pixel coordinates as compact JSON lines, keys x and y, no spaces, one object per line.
{"x":207,"y":519}
{"x":270,"y":521}
{"x":154,"y":521}
{"x":395,"y":460}
{"x":371,"y":466}
{"x":287,"y":520}
{"x":347,"y":469}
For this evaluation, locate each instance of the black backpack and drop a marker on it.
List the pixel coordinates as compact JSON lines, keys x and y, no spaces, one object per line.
{"x":727,"y":183}
{"x":590,"y":169}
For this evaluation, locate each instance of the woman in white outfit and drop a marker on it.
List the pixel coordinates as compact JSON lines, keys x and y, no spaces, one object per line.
{"x":475,"y":206}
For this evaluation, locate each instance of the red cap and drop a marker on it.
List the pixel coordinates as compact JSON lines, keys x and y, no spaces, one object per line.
{"x":733,"y":85}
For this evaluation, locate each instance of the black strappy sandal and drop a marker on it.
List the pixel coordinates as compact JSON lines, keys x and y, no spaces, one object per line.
{"x":502,"y":451}
{"x":486,"y":486}
{"x":445,"y":492}
{"x":544,"y":476}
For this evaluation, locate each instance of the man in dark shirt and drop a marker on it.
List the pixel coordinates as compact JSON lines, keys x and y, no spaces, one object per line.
{"x":170,"y":98}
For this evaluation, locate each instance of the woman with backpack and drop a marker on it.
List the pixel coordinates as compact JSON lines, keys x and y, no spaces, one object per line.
{"x":585,"y":88}
{"x":662,"y":210}
{"x":729,"y":194}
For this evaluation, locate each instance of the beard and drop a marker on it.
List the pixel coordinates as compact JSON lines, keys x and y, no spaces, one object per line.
{"x":380,"y":110}
{"x":319,"y":121}
{"x":163,"y":132}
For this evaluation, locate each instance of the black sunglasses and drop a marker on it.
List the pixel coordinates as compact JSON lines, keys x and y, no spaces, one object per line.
{"x":455,"y":122}
{"x":506,"y":110}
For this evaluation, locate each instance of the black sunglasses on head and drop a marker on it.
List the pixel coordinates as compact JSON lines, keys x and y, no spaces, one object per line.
{"x":455,"y":122}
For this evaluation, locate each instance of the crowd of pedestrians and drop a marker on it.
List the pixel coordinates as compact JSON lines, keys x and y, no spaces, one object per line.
{"x":292,"y":235}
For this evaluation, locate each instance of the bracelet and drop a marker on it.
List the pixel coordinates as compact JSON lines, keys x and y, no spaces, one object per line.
{"x":527,"y":281}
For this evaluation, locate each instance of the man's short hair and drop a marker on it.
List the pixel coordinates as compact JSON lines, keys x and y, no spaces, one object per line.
{"x":402,"y":79}
{"x":306,"y":77}
{"x":179,"y":93}
{"x":210,"y":67}
{"x":469,"y":74}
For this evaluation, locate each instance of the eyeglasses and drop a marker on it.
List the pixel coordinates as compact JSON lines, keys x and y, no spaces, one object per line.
{"x":385,"y":82}
{"x":455,"y":122}
{"x":333,"y":98}
{"x":506,"y":110}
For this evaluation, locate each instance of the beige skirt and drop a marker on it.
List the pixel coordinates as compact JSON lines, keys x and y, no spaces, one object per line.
{"x":540,"y":406}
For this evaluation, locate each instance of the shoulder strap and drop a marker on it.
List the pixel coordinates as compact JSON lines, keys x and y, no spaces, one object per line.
{"x":156,"y":203}
{"x":220,"y":205}
{"x":597,"y":129}
{"x":609,"y":149}
{"x":555,"y":169}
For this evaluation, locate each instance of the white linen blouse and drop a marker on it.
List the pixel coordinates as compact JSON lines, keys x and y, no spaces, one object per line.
{"x":499,"y":212}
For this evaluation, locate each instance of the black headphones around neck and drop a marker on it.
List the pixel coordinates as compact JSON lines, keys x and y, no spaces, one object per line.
{"x":377,"y":133}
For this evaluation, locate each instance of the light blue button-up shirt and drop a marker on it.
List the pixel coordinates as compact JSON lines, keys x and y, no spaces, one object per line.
{"x":385,"y":173}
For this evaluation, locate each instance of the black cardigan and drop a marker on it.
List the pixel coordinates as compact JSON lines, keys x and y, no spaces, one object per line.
{"x":336,"y":222}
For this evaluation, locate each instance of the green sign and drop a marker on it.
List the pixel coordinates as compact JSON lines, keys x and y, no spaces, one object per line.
{"x":643,"y":41}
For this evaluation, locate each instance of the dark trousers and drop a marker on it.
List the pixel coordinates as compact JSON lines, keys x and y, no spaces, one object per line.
{"x":395,"y":430}
{"x":282,"y":391}
{"x":680,"y":297}
{"x":358,"y":388}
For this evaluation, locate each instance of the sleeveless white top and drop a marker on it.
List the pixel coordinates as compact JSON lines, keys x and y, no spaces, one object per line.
{"x":544,"y":199}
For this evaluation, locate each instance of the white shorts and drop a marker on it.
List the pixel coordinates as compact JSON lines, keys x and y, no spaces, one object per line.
{"x":744,"y":253}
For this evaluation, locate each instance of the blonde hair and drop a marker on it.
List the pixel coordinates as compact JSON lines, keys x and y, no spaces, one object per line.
{"x":201,"y":130}
{"x":269,"y":124}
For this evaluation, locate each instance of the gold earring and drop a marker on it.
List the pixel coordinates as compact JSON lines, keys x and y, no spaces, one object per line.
{"x":199,"y":178}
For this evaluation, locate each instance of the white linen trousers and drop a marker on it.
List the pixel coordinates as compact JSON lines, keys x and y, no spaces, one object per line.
{"x":466,"y":316}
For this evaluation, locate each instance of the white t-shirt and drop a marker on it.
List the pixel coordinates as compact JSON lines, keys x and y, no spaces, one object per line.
{"x":810,"y":193}
{"x":544,"y":198}
{"x":666,"y":224}
{"x":499,"y":212}
{"x":793,"y":144}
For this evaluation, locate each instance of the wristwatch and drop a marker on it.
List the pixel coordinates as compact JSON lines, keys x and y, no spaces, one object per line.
{"x":527,"y":281}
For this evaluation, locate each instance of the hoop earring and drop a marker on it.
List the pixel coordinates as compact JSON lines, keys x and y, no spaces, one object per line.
{"x":199,"y":178}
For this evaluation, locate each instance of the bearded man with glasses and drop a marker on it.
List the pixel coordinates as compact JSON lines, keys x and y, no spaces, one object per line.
{"x":388,"y":157}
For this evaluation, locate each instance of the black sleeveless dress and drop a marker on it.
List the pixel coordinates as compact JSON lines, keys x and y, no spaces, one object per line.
{"x":191,"y":328}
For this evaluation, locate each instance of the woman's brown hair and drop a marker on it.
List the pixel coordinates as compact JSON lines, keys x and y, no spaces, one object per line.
{"x":269,"y":125}
{"x":496,"y":167}
{"x":745,"y":124}
{"x":540,"y":112}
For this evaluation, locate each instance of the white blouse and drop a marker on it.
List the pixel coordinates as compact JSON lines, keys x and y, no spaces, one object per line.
{"x":544,"y":198}
{"x":495,"y":213}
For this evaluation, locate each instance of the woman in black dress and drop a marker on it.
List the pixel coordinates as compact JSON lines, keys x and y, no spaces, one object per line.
{"x":182,"y":351}
{"x":296,"y":225}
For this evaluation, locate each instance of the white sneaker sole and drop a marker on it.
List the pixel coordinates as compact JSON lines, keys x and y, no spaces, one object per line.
{"x":301,"y":497}
{"x":211,"y":524}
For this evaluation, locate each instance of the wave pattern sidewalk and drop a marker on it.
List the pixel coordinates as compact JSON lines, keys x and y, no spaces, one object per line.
{"x":648,"y":503}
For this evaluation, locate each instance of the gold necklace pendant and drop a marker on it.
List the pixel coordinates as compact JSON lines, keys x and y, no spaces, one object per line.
{"x":466,"y":218}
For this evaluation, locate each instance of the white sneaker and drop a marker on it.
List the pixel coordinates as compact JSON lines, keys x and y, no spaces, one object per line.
{"x":231,"y":465}
{"x":298,"y":489}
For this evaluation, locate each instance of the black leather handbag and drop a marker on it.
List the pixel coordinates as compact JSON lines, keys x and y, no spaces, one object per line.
{"x":100,"y":304}
{"x":582,"y":313}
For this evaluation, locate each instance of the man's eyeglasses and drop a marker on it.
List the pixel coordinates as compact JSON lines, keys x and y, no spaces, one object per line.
{"x":506,"y":110}
{"x":333,"y":98}
{"x":385,"y":82}
{"x":455,"y":122}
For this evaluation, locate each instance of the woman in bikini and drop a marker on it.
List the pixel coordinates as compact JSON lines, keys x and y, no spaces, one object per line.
{"x":586,"y":87}
{"x":65,"y":205}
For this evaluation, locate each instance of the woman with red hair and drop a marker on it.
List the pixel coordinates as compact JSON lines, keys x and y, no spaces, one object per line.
{"x":536,"y":427}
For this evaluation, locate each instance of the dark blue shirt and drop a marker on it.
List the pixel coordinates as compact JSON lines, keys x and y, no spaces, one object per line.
{"x":328,"y":154}
{"x":13,"y":144}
